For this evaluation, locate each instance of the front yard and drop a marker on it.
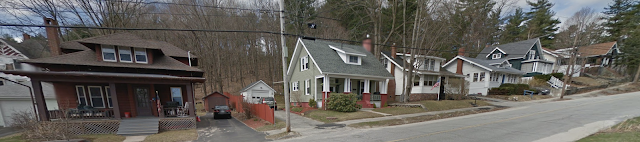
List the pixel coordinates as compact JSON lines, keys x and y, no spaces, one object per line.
{"x":520,"y":98}
{"x":167,"y":136}
{"x":335,"y":116}
{"x":431,"y":106}
{"x":416,"y":119}
{"x":626,"y":131}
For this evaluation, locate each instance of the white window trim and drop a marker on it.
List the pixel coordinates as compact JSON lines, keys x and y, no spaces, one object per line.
{"x":496,"y":56}
{"x":120,"y":56}
{"x":532,"y":54}
{"x":294,"y":86}
{"x":84,"y":92}
{"x":115,"y":53}
{"x":304,"y":63}
{"x":135,"y":53}
{"x":107,"y":91}
{"x":171,"y":93}
{"x":101,"y":95}
{"x":349,"y":59}
{"x":307,"y":86}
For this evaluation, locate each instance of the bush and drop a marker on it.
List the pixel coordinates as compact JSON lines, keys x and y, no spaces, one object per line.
{"x":514,"y":88}
{"x":500,"y":91}
{"x":313,"y":103}
{"x":343,"y":102}
{"x":296,"y":109}
{"x":246,"y":107}
{"x":35,"y":130}
{"x":547,"y":77}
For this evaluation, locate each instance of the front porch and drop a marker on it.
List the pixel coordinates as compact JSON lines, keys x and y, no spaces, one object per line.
{"x":362,"y":87}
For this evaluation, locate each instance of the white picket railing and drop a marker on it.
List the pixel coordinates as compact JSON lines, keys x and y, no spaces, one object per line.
{"x":555,"y":82}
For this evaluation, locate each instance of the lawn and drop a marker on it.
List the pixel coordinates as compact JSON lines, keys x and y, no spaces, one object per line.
{"x":321,"y":115}
{"x":279,"y":125}
{"x":450,"y":104}
{"x":93,"y":138}
{"x":521,"y":98}
{"x":173,"y":136}
{"x":416,"y":119}
{"x":626,"y":131}
{"x":399,"y":110}
{"x":13,"y":138}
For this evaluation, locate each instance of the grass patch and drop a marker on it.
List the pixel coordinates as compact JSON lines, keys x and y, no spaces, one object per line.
{"x":321,"y":115}
{"x":296,"y":109}
{"x":277,"y":126}
{"x":279,"y":101}
{"x":281,"y":135}
{"x":13,"y":138}
{"x":416,"y":119}
{"x":103,"y":138}
{"x":201,"y":111}
{"x":173,"y":136}
{"x":521,"y":98}
{"x":399,"y":110}
{"x":626,"y":131}
{"x":450,"y":104}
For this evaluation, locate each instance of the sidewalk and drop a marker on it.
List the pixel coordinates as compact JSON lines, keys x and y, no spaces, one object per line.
{"x":299,"y":123}
{"x":348,"y":122}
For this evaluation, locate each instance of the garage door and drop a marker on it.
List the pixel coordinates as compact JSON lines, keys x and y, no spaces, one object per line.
{"x":216,"y":101}
{"x":10,"y":107}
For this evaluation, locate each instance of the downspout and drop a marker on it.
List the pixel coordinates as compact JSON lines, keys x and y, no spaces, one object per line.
{"x":30,"y":95}
{"x":189,"y":56}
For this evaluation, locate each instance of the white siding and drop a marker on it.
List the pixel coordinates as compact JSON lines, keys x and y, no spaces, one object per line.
{"x":468,"y":68}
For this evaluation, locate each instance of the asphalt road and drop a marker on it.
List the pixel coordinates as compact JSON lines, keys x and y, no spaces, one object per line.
{"x":567,"y":120}
{"x":226,"y":130}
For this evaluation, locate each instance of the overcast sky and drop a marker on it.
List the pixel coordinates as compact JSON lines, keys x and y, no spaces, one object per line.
{"x":566,"y":8}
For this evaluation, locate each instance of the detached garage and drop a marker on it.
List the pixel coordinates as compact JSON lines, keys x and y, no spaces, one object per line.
{"x":17,"y":98}
{"x":215,"y":99}
{"x":254,"y":92}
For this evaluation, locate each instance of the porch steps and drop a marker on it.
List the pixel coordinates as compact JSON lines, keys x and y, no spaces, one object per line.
{"x":138,"y":126}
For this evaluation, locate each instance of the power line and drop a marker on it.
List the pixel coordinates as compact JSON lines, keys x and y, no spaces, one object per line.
{"x":147,"y":13}
{"x":218,"y":7}
{"x":225,"y":31}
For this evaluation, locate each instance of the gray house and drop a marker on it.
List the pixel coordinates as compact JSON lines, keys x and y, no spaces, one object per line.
{"x":526,"y":56}
{"x":320,"y":67}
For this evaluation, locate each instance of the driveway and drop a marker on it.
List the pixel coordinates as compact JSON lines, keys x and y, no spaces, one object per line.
{"x":226,"y":130}
{"x":4,"y":131}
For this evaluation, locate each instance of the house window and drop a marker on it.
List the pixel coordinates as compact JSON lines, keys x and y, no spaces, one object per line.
{"x":108,"y":53}
{"x":141,"y":55}
{"x":307,"y":90}
{"x":1,"y":82}
{"x":107,"y":90}
{"x":125,"y":54}
{"x":430,"y":80}
{"x":385,"y":62}
{"x":532,"y":54}
{"x":294,"y":86}
{"x":304,"y":63}
{"x":475,"y":77}
{"x":95,"y":92}
{"x":496,"y":56}
{"x":353,"y":59}
{"x":481,"y":76}
{"x":176,"y":95}
{"x":82,"y":100}
{"x":416,"y":80}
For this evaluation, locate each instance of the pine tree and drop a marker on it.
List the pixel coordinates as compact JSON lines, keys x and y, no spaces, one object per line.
{"x":616,"y":20}
{"x":514,"y":30}
{"x":541,"y":24}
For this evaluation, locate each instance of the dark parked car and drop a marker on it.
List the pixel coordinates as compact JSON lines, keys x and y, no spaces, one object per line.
{"x":270,"y":101}
{"x":221,"y":112}
{"x":542,"y":91}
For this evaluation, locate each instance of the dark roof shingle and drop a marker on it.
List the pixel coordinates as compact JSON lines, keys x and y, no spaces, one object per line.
{"x":329,"y":61}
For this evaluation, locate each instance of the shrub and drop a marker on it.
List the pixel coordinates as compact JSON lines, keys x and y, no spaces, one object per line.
{"x":296,"y":109}
{"x":246,"y":107}
{"x":343,"y":102}
{"x":313,"y":103}
{"x":500,"y":91}
{"x":515,"y":88}
{"x":35,"y":130}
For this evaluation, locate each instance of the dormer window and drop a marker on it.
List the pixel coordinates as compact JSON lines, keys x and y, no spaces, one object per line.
{"x":125,"y":54}
{"x":141,"y":55}
{"x":354,"y":59}
{"x":532,"y":54}
{"x":496,"y":56}
{"x":108,"y":53}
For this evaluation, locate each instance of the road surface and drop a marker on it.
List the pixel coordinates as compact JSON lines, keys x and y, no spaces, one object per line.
{"x":226,"y":130}
{"x":567,"y":120}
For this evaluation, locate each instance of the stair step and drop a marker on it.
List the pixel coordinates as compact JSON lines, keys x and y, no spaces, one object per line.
{"x":140,"y":126}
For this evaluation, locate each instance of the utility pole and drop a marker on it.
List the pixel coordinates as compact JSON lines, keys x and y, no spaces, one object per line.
{"x":285,"y":79}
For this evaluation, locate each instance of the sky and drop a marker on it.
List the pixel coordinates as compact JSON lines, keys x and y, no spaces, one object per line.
{"x":566,"y":8}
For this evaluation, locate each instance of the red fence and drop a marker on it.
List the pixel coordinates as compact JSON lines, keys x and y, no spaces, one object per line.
{"x":262,"y":111}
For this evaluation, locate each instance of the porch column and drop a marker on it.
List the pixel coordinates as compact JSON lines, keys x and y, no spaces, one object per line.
{"x":192,"y":112}
{"x":383,"y":92}
{"x":41,"y":105}
{"x":366,"y":96}
{"x":326,"y":82}
{"x":114,"y":100}
{"x":347,"y":85}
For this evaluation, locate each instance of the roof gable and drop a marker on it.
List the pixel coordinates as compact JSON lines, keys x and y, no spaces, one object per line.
{"x":254,"y":84}
{"x":10,"y":50}
{"x":131,"y":40}
{"x":329,"y":62}
{"x":513,"y":50}
{"x":482,"y":63}
{"x":597,"y":49}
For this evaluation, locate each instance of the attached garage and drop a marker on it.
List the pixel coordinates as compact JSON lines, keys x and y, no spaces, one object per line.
{"x":215,"y":99}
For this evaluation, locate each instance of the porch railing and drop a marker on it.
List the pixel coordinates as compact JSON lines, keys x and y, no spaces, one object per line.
{"x":376,"y":97}
{"x":175,"y":112}
{"x":81,"y":114}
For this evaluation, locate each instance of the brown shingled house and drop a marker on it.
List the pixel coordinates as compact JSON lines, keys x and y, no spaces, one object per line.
{"x":118,"y":77}
{"x":602,"y":54}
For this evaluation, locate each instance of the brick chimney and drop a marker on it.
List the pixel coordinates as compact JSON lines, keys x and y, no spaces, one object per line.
{"x":25,"y":36}
{"x":393,"y":51}
{"x":459,"y":67}
{"x":52,"y":36}
{"x":366,"y":43}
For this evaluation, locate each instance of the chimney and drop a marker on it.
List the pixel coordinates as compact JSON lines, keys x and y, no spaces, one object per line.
{"x":459,"y":68}
{"x":393,"y":51}
{"x":366,"y":43}
{"x":52,"y":36}
{"x":25,"y":36}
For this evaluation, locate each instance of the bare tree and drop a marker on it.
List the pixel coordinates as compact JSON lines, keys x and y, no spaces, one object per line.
{"x":581,"y":20}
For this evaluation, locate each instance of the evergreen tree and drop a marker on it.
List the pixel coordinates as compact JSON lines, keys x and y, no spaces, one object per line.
{"x":616,"y":20}
{"x":514,"y":30}
{"x":541,"y":23}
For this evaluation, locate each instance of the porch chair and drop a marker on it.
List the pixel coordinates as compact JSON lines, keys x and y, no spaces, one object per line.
{"x":184,"y":111}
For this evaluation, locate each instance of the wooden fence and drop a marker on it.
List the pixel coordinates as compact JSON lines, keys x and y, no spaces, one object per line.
{"x":262,"y":111}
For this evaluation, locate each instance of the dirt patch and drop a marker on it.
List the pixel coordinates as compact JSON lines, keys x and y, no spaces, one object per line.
{"x":253,"y":122}
{"x":519,"y":98}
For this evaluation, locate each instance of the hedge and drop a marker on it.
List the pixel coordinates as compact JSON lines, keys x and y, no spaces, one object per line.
{"x":514,"y":88}
{"x":343,"y":102}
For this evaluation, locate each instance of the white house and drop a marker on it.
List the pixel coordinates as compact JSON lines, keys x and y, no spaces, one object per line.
{"x":483,"y":75}
{"x":255,"y":91}
{"x":426,"y":74}
{"x":548,"y":55}
{"x":524,"y":55}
